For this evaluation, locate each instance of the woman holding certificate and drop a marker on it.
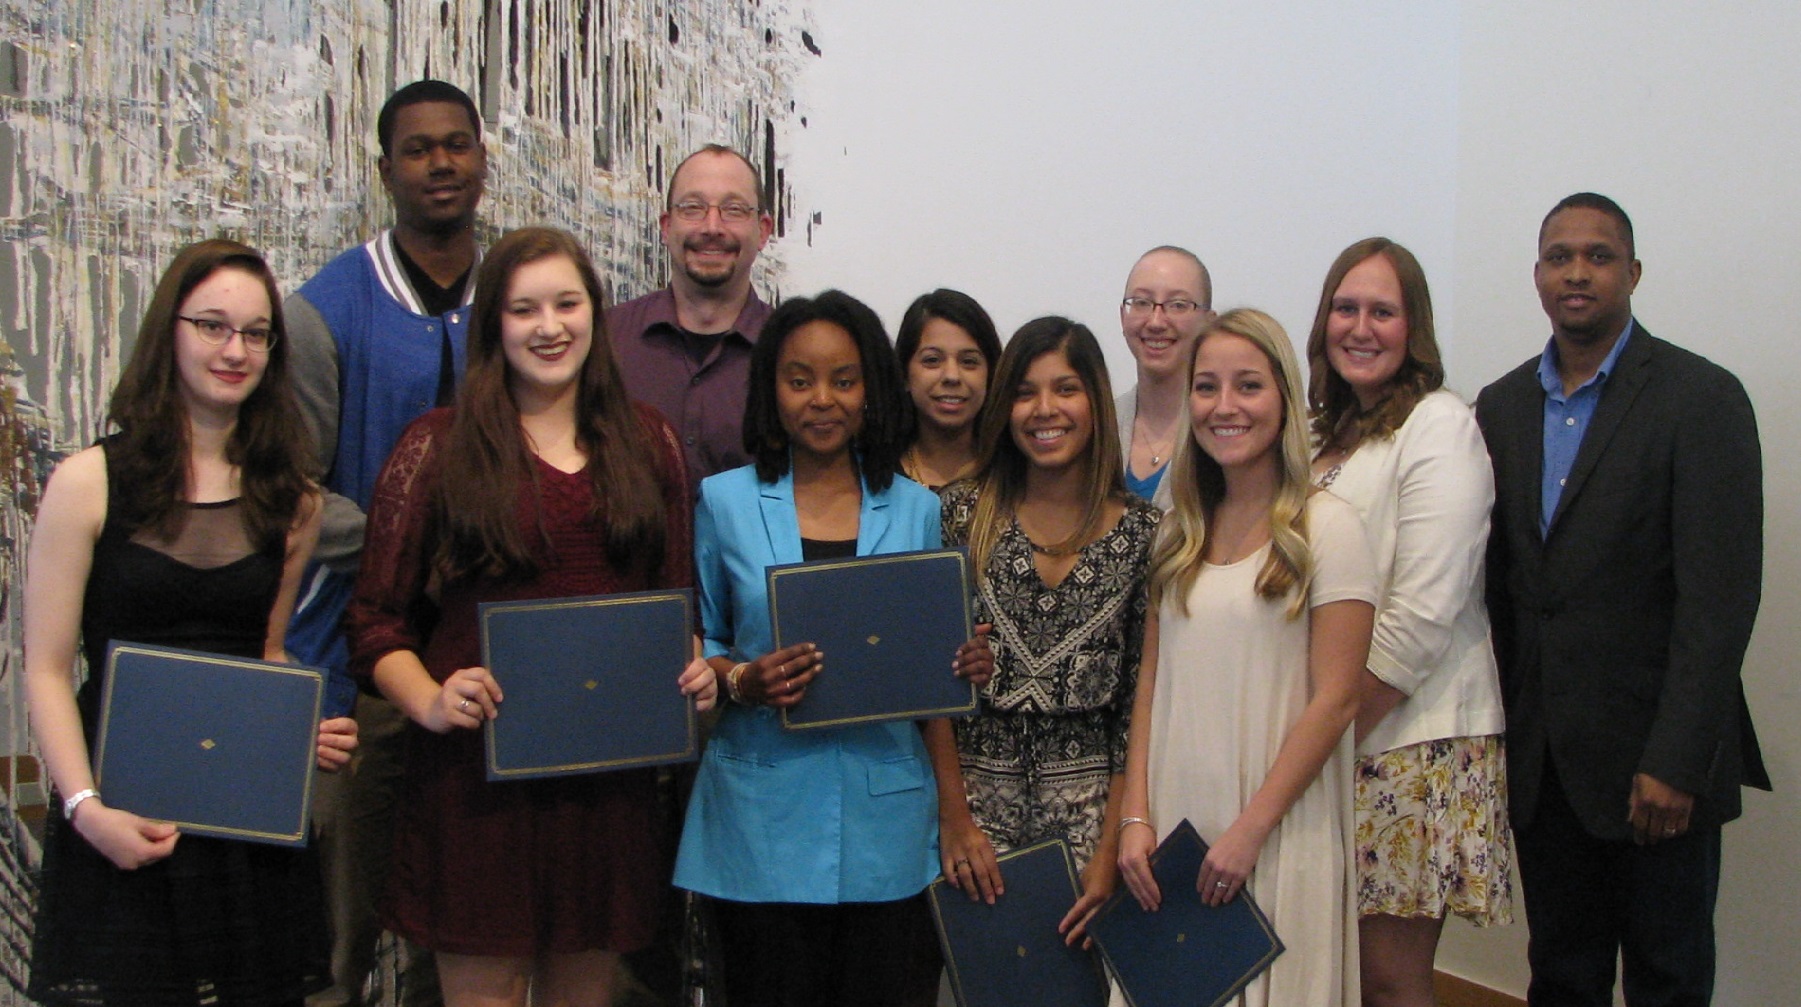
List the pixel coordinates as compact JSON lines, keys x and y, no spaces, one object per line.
{"x":1431,"y":796}
{"x":187,"y":528}
{"x":1262,"y":592}
{"x":544,"y":481}
{"x":814,"y":845}
{"x":1060,"y":548}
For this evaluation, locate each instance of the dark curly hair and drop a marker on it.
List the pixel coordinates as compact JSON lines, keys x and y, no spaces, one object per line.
{"x":877,"y":448}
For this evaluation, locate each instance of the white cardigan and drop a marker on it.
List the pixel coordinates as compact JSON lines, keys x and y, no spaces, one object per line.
{"x":1424,"y":496}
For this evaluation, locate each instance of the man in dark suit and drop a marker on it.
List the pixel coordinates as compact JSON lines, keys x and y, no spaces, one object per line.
{"x":1625,"y":566}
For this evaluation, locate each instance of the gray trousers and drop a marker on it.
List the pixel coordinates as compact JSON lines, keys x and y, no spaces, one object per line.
{"x":353,"y":828}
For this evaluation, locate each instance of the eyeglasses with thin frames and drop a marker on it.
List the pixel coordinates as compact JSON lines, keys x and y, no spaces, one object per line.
{"x":213,"y":332}
{"x":1175,"y":307}
{"x":733,"y":212}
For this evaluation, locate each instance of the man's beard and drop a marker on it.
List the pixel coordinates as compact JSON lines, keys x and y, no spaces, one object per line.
{"x":725,"y":273}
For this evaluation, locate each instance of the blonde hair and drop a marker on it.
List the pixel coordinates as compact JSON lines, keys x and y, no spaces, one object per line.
{"x":1198,"y":484}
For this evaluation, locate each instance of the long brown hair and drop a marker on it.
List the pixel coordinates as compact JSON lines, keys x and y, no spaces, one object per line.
{"x":1003,"y":465}
{"x":486,"y":462}
{"x":151,"y":454}
{"x":1337,"y":417}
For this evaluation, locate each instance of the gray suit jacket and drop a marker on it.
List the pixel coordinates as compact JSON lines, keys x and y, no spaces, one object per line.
{"x":1620,"y":633}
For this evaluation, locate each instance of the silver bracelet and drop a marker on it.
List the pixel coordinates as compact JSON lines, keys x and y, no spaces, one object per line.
{"x":1135,"y":821}
{"x":74,"y":802}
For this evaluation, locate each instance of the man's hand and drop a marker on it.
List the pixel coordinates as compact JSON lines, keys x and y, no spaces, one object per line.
{"x":1657,"y":810}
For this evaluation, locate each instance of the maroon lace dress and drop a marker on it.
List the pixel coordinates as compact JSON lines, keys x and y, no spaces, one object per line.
{"x":520,"y":867}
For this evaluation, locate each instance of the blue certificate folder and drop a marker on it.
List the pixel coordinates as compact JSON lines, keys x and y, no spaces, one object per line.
{"x":219,"y":746}
{"x":590,"y":683}
{"x":1010,"y":953}
{"x":1186,"y":952}
{"x":889,"y":626}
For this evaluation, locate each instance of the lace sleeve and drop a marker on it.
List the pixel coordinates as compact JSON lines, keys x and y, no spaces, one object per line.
{"x":391,"y":608}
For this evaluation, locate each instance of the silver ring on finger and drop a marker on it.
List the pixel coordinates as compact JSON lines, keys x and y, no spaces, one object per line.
{"x":464,"y":705}
{"x":1222,"y":884}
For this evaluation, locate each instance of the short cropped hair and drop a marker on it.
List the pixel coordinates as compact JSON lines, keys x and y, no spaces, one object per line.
{"x":420,"y":92}
{"x":1592,"y":201}
{"x":756,"y":177}
{"x":1200,"y":267}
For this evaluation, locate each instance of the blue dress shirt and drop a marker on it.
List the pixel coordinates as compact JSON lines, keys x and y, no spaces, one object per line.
{"x":1566,"y":421}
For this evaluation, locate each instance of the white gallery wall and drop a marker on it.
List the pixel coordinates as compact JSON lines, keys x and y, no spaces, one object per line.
{"x":1690,"y":116}
{"x":1027,"y":152}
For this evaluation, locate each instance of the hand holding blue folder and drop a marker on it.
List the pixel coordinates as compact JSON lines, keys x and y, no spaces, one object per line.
{"x":1185,"y":952}
{"x":590,"y":683}
{"x":1010,"y":952}
{"x":888,"y":627}
{"x":218,"y":746}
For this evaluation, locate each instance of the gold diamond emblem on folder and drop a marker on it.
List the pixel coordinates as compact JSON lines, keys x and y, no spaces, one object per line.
{"x":208,"y":744}
{"x":873,"y":640}
{"x":590,"y":684}
{"x":1021,"y":950}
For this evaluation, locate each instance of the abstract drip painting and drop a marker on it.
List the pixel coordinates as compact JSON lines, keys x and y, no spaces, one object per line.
{"x":129,"y":128}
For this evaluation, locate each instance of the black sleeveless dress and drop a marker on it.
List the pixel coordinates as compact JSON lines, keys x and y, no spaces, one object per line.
{"x":223,"y":921}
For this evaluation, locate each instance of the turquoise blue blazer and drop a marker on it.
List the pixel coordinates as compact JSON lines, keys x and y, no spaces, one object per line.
{"x":829,"y":815}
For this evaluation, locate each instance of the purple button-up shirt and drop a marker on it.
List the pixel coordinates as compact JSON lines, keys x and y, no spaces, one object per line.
{"x":704,"y":401}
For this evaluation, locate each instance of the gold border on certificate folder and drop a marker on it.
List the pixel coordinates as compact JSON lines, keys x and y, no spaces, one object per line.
{"x":962,"y":559}
{"x":637,"y":598}
{"x":1250,"y":975}
{"x":299,"y":832}
{"x":935,"y":892}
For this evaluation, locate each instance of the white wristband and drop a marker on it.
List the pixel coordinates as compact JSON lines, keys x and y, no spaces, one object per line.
{"x":75,"y":800}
